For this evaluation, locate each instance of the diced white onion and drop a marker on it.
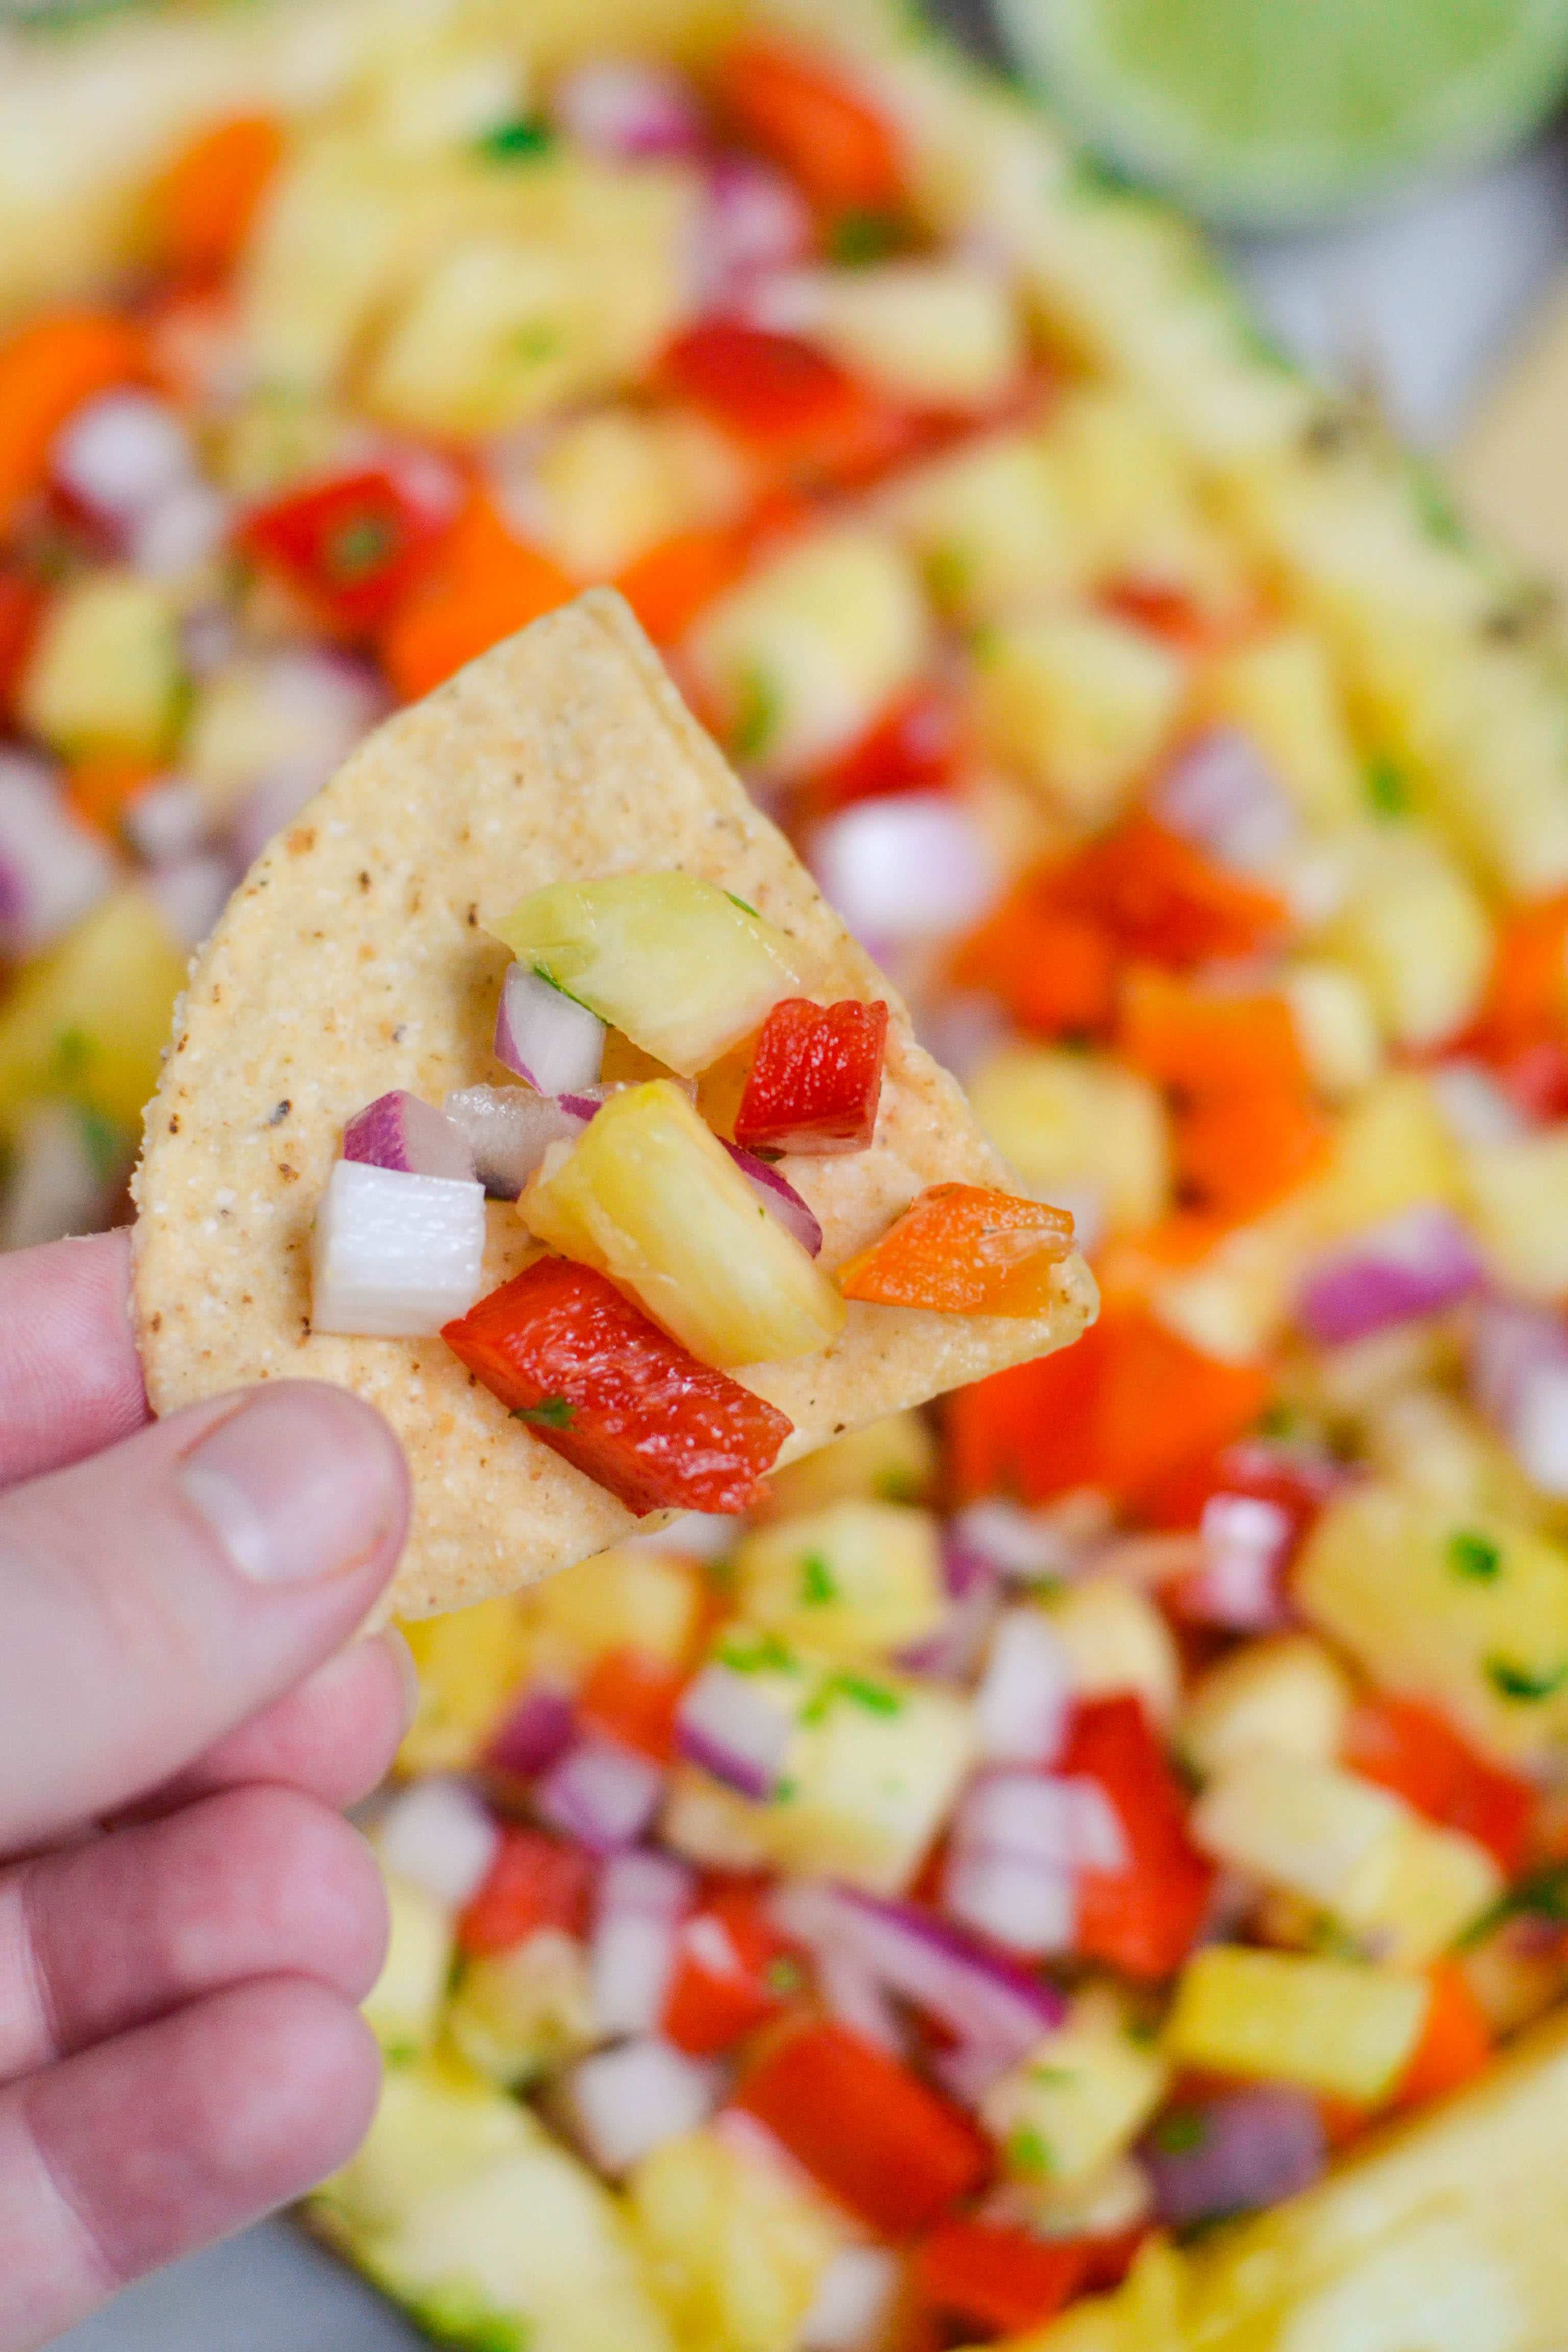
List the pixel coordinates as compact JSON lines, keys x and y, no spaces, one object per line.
{"x":854,"y":2299}
{"x":641,"y":1900}
{"x":52,"y":869}
{"x":122,"y":453}
{"x":509,"y":1130}
{"x":395,"y":1256}
{"x":1221,"y":794}
{"x":191,"y":893}
{"x":1029,"y":1547}
{"x":180,"y":532}
{"x":555,"y":1044}
{"x":1062,"y":1824}
{"x":167,"y":820}
{"x":904,"y":868}
{"x":1020,"y":1706}
{"x":1021,"y":1905}
{"x":1539,"y":1426}
{"x":57,"y":1185}
{"x":734,"y":1730}
{"x":628,"y":2100}
{"x":1477,"y":1112}
{"x":440,"y":1836}
{"x":601,"y":1793}
{"x":753,"y":220}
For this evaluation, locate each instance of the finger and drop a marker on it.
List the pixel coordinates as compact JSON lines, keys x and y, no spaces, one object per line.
{"x":71,"y":1381}
{"x":257,"y":1882}
{"x":137,"y":2152}
{"x":161,"y":1594}
{"x":334,"y":1738}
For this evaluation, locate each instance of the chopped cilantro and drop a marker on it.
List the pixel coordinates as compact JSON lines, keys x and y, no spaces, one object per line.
{"x":1511,"y":1680}
{"x":761,"y":1653}
{"x":1386,"y":788}
{"x":756,"y":715}
{"x":1542,"y":1895}
{"x":1026,"y":2151}
{"x":1181,"y":2131}
{"x":785,"y":1791}
{"x":1440,"y":516}
{"x":1474,"y":1555}
{"x":519,"y":141}
{"x":360,"y":549}
{"x":816,"y":1585}
{"x":538,"y":341}
{"x":783,"y":1976}
{"x":948,"y":571}
{"x":550,"y":1412}
{"x":1053,"y":2078}
{"x":875,"y":1697}
{"x":859,"y":237}
{"x":744,"y":904}
{"x":73,"y":1051}
{"x":105,"y":1142}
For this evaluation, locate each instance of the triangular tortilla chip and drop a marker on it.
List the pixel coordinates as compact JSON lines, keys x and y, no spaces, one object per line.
{"x":354,"y":960}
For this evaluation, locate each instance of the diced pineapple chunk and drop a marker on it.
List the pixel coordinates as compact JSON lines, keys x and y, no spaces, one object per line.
{"x":524,"y":2012}
{"x":735,"y":2240}
{"x":989,"y":526}
{"x":1330,"y":2025}
{"x":1077,"y":1120}
{"x":1118,"y":1640}
{"x":469,"y":1663}
{"x":1394,"y":1151}
{"x":1429,"y":1443}
{"x":403,"y":2007}
{"x":889,"y":1461}
{"x":1077,"y":705}
{"x":629,"y":1598}
{"x":680,"y":966}
{"x":942,"y":334}
{"x":613,"y":484}
{"x":1079,"y":2098}
{"x":1471,"y":1615}
{"x":1144,"y":2315}
{"x":713,"y":1827}
{"x":1289,"y":1694}
{"x":1416,"y":933}
{"x":801,"y":657}
{"x":1431,"y":1886}
{"x":1235,"y":1302}
{"x":436,"y":2125}
{"x":106,"y":672}
{"x":531,"y":2253}
{"x":1282,"y":692}
{"x":853,"y":1579}
{"x":651,"y":1198}
{"x":1520,"y":1192}
{"x":90,"y":1018}
{"x":1133,"y":500}
{"x":1336,"y":1026}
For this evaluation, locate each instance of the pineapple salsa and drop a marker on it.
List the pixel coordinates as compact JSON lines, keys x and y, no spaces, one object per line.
{"x":1130,"y":1800}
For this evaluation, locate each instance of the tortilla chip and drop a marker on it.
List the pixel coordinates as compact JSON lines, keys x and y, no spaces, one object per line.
{"x":354,"y":960}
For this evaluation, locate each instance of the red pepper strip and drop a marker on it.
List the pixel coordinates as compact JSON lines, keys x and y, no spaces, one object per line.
{"x":816,"y":1078}
{"x":632,"y":1697}
{"x":1415,"y":1752}
{"x":999,"y":2280}
{"x":843,"y":152}
{"x":352,"y":547}
{"x":912,"y":748}
{"x":534,"y":1882}
{"x":785,"y":402}
{"x":1170,"y":613}
{"x":962,"y":1249}
{"x":620,"y":1399}
{"x":725,"y":1980}
{"x":1162,"y":900}
{"x":1143,"y":1919}
{"x":870,"y":2131}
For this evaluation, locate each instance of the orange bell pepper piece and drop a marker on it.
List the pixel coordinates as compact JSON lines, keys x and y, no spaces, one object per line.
{"x":1238,"y":1155}
{"x":843,"y":152}
{"x":47,"y":369}
{"x":1163,"y":900}
{"x":1055,"y":971}
{"x":1455,"y":2042}
{"x":632,"y":1697}
{"x":668,"y":586}
{"x":1416,"y":1752}
{"x":1526,"y":1000}
{"x":103,"y":787}
{"x":963,"y":1250}
{"x":482,"y":584}
{"x":204,"y":203}
{"x":996,"y":2279}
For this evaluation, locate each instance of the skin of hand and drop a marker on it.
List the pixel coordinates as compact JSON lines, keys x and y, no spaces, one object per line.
{"x":186,"y":1924}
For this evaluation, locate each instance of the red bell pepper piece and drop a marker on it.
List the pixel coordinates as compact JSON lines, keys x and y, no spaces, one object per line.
{"x":815,"y":1077}
{"x":1143,"y":1919}
{"x":834,"y":142}
{"x":999,"y":2280}
{"x":727,"y":1970}
{"x":21,"y":609}
{"x":620,"y":1399}
{"x":912,"y":748}
{"x":789,"y":405}
{"x":1299,"y":1483}
{"x":962,"y":1249}
{"x":1415,"y":1752}
{"x":534,"y":1882}
{"x":873,"y":2135}
{"x":204,"y":204}
{"x":351,"y":546}
{"x":1163,"y":901}
{"x":1527,"y":993}
{"x":632,"y":1699}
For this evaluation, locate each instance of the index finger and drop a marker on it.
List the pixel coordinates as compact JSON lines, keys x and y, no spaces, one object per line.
{"x":70,"y":1379}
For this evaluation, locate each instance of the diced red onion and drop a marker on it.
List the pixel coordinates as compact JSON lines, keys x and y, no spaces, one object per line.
{"x":181,"y":531}
{"x":395,"y":1256}
{"x":1540,"y":1427}
{"x":120,"y":454}
{"x":1250,"y":2149}
{"x":1221,"y":794}
{"x":56,"y":1183}
{"x":1518,"y":1378}
{"x":1021,"y":1707}
{"x":754,"y":220}
{"x":600,"y":1793}
{"x":440,"y":1836}
{"x":855,"y":2298}
{"x":555,"y":1044}
{"x":52,"y":869}
{"x":1414,"y":1263}
{"x":851,"y":1992}
{"x":904,"y":868}
{"x":625,"y":2101}
{"x":509,"y":1130}
{"x":167,"y":820}
{"x":734,"y":1730}
{"x":976,"y":1994}
{"x":959,"y":1028}
{"x":970,"y":2069}
{"x":535,"y":1733}
{"x":953,"y":1654}
{"x":1019,"y":1905}
{"x":1029,"y":1547}
{"x":779,"y":1195}
{"x":398,"y":1130}
{"x":191,"y":893}
{"x":1476,"y":1107}
{"x":641,"y":1900}
{"x":624,"y":109}
{"x":1062,"y":1824}
{"x":1247,"y":1545}
{"x":207,"y":639}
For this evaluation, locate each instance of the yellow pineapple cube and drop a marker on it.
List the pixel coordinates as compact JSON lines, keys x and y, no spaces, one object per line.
{"x":1071,"y":1123}
{"x":90,"y":1018}
{"x":1287,"y":1695}
{"x":1134,"y":500}
{"x":735,"y":2240}
{"x":403,"y":2007}
{"x":1117,"y":1639}
{"x":1079,"y":2098}
{"x":989,"y":526}
{"x":106,"y":672}
{"x":1281,"y":691}
{"x":1333,"y":2026}
{"x":1336,"y":1025}
{"x":630,"y":1598}
{"x":853,"y":1580}
{"x":436,"y":2124}
{"x":894,"y":1460}
{"x":613,"y":483}
{"x":1416,"y":934}
{"x":1078,"y":706}
{"x":468,"y":1661}
{"x":944,"y":334}
{"x":1520,"y":1196}
{"x":1394,"y":1149}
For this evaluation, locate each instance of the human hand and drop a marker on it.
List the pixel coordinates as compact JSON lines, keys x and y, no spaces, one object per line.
{"x":180,"y":2049}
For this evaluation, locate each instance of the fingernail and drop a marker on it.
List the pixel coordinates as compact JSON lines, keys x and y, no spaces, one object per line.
{"x":403,"y":1658}
{"x":301,"y":1483}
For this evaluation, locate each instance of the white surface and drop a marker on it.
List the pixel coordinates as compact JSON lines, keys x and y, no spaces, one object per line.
{"x":1418,"y":304}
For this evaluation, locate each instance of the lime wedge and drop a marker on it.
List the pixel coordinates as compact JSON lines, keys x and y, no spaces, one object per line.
{"x":1275,"y":110}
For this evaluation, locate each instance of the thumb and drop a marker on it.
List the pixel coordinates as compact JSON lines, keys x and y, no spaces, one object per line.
{"x":159,"y":1594}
